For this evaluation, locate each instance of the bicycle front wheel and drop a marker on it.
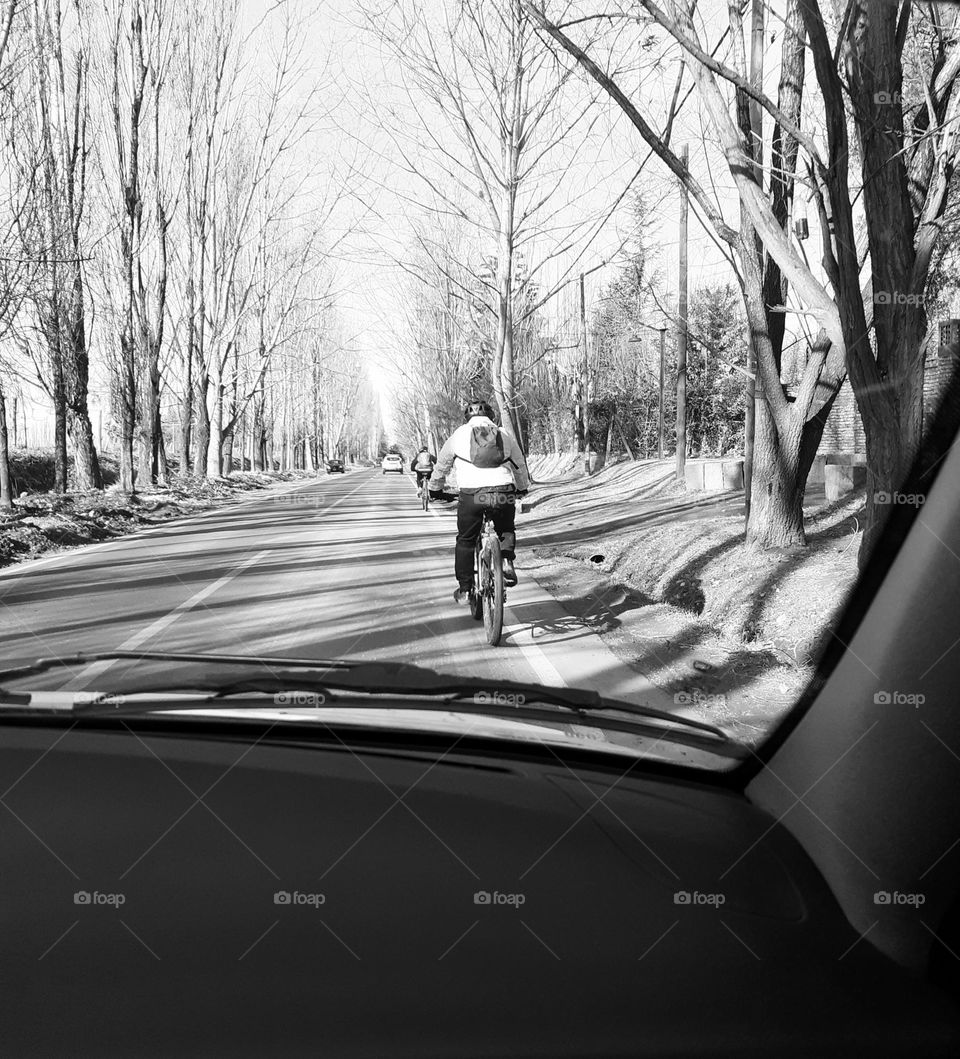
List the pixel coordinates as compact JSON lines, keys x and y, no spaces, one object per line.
{"x":492,"y":561}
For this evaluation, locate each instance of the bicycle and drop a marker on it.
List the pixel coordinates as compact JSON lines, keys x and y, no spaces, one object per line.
{"x":488,"y":594}
{"x":423,"y":489}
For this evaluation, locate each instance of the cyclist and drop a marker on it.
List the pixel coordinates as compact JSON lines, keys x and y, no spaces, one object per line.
{"x":422,"y":465}
{"x":491,"y":473}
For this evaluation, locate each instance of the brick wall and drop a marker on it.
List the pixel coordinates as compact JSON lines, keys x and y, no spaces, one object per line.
{"x":844,"y":429}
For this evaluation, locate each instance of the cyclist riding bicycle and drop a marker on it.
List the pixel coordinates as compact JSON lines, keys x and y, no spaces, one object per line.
{"x":491,"y":474}
{"x":422,"y":465}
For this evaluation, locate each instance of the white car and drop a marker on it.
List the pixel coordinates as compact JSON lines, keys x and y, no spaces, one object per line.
{"x":391,"y":462}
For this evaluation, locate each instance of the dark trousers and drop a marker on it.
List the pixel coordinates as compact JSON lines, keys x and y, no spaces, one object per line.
{"x":422,"y":476}
{"x":500,"y":501}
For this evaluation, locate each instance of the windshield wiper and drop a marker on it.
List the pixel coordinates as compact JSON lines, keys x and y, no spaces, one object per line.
{"x":508,"y":699}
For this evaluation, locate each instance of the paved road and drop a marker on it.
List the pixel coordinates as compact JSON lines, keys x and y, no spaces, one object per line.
{"x":347,"y":566}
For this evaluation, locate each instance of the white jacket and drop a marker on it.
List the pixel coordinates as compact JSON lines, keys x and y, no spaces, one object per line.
{"x":513,"y":471}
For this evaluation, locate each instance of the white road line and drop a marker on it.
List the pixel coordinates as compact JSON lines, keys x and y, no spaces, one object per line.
{"x":547,"y":672}
{"x":95,"y":669}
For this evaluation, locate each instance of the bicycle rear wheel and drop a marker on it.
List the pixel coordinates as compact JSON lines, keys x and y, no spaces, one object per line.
{"x":476,"y":597}
{"x":425,"y":496}
{"x":492,"y":560}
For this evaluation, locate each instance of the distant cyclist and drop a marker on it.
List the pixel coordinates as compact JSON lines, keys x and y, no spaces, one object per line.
{"x":422,"y":464}
{"x":491,"y":473}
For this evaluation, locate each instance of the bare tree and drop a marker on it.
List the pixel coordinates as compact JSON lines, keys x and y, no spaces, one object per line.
{"x":874,"y":328}
{"x":494,"y":128}
{"x":790,"y":426}
{"x":51,"y":159}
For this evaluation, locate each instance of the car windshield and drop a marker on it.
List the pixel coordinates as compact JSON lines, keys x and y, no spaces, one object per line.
{"x":501,"y":351}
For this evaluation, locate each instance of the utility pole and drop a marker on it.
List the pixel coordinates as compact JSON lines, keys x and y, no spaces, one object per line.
{"x":585,"y":379}
{"x":663,"y":371}
{"x":682,"y":336}
{"x":756,"y":130}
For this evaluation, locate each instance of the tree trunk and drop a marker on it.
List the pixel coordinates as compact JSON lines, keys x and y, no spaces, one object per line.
{"x":623,"y":438}
{"x":215,"y":446}
{"x":259,"y":447}
{"x":86,"y":463}
{"x":226,"y":453}
{"x":776,"y":502}
{"x":888,"y":458}
{"x":161,"y":471}
{"x":202,"y":434}
{"x":186,"y":415}
{"x":60,"y":444}
{"x":6,"y":490}
{"x":149,"y":419}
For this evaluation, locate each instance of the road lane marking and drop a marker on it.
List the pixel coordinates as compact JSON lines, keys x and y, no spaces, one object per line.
{"x":547,"y":673}
{"x":95,"y":669}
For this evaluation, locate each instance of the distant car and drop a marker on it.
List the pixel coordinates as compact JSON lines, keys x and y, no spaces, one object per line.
{"x":392,"y":462}
{"x":335,"y":467}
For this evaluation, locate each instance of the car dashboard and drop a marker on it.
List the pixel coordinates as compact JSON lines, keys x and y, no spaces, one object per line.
{"x":227,"y":888}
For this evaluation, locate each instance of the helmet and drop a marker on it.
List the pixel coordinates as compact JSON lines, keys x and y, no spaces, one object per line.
{"x":423,"y":448}
{"x":477,"y":408}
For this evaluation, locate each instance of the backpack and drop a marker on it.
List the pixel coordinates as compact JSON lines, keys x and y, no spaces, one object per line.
{"x":424,"y":463}
{"x":486,"y":445}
